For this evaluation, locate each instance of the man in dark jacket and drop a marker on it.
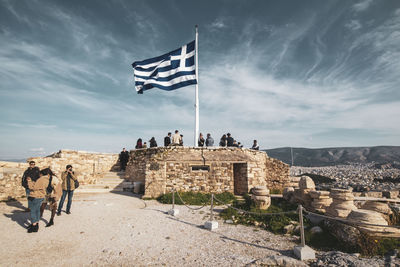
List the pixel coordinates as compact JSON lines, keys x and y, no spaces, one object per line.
{"x":32,"y":172}
{"x":167,"y":140}
{"x":229,"y":140}
{"x":123,"y":158}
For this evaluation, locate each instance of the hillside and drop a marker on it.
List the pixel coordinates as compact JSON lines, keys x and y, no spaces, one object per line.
{"x":336,"y":155}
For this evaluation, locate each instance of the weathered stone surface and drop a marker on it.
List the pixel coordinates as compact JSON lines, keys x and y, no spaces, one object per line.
{"x":87,"y":167}
{"x":306,"y":183}
{"x":207,"y":170}
{"x":342,"y":203}
{"x":378,"y":207}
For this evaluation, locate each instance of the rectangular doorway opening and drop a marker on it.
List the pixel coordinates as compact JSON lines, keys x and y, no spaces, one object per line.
{"x":240,"y":181}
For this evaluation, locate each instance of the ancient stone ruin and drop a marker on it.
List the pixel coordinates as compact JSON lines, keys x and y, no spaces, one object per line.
{"x":216,"y":169}
{"x":261,"y":197}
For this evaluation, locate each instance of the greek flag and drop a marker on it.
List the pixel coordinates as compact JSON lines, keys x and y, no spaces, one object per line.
{"x":167,"y":72}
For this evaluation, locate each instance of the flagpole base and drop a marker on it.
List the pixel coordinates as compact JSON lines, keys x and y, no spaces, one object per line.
{"x":173,"y":212}
{"x":211,"y":225}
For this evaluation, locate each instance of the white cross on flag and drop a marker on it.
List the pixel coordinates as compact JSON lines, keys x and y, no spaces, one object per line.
{"x":168,"y":72}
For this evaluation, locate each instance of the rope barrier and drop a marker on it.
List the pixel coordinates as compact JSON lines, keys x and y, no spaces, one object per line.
{"x":350,"y":222}
{"x":255,"y":213}
{"x":187,"y":205}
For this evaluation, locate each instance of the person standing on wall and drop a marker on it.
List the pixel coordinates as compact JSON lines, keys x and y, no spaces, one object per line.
{"x":68,"y":186}
{"x":36,"y":196}
{"x":167,"y":139}
{"x":123,"y":158}
{"x":33,"y":173}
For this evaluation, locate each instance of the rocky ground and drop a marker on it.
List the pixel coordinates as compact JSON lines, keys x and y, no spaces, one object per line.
{"x":122,"y":230}
{"x":361,"y":177}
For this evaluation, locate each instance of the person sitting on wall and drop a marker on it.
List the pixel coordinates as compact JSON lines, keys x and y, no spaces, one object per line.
{"x":53,"y":194}
{"x":176,"y":138}
{"x":235,"y":144}
{"x":255,"y":145}
{"x":201,"y":140}
{"x":68,"y":186}
{"x":123,"y":158}
{"x":167,"y":139}
{"x":222,"y":142}
{"x":139,"y":144}
{"x":181,"y":140}
{"x":209,"y":140}
{"x":144,"y":145}
{"x":240,"y":145}
{"x":229,"y":140}
{"x":37,"y":192}
{"x":33,"y":173}
{"x":153,"y":142}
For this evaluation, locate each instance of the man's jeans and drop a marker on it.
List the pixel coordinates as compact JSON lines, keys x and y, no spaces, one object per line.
{"x":34,"y":205}
{"x":64,"y":195}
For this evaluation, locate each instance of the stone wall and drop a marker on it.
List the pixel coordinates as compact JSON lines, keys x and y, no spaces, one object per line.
{"x":204,"y":169}
{"x":86,"y":165}
{"x":10,"y":180}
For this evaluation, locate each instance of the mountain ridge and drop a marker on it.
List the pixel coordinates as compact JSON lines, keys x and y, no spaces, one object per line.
{"x":317,"y":157}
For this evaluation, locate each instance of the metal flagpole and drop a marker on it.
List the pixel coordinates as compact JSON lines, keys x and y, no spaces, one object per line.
{"x":196,"y":105}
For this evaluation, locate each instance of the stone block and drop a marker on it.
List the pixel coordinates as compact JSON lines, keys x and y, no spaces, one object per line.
{"x":304,"y":253}
{"x":173,"y":212}
{"x":211,"y":225}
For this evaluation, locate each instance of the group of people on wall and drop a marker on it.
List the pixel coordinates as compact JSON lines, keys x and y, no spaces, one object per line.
{"x":176,"y":139}
{"x":44,"y":188}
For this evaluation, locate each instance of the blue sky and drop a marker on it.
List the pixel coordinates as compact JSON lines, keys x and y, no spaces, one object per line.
{"x":287,"y":73}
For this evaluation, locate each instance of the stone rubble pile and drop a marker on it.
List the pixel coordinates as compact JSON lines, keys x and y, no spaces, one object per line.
{"x":261,"y":197}
{"x":320,"y":200}
{"x":342,"y":203}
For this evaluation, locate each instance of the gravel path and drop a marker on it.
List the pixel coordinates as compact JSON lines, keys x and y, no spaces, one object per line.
{"x":121,"y":229}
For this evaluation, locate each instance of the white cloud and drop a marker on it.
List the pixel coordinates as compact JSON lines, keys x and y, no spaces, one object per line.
{"x":353,"y":25}
{"x":362,"y":5}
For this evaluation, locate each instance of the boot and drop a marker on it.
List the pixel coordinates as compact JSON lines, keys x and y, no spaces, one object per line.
{"x":50,"y":223}
{"x":35,"y":228}
{"x":30,"y":228}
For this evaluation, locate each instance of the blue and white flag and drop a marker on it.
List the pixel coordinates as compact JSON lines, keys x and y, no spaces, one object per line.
{"x":167,"y":72}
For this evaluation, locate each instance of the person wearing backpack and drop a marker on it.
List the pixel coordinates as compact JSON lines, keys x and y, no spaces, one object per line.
{"x":53,"y":194}
{"x":36,"y":196}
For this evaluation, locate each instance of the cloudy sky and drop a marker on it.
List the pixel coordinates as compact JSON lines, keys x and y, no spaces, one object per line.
{"x":287,"y":73}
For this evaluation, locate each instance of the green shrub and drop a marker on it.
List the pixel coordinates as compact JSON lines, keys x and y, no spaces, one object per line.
{"x":273,"y":223}
{"x":196,"y":198}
